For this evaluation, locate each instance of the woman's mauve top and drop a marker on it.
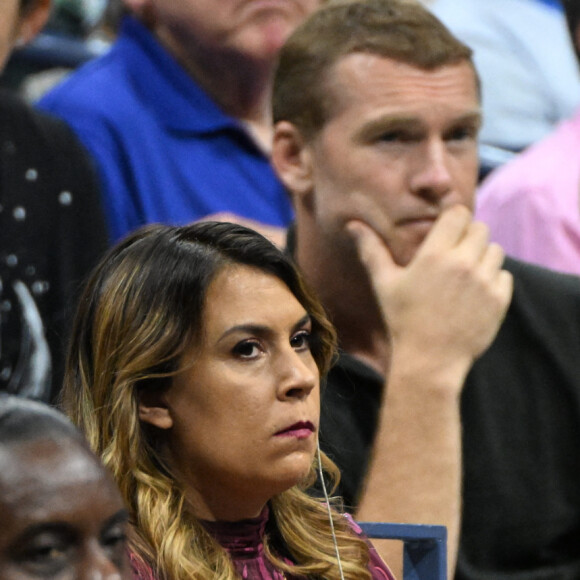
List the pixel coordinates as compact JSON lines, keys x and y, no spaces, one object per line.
{"x":243,"y":542}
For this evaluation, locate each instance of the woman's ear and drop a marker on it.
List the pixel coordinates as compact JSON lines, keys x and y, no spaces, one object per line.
{"x":154,"y":410}
{"x":292,"y":160}
{"x":32,"y":21}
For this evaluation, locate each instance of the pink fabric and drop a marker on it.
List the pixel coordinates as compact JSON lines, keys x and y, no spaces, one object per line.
{"x":243,"y":541}
{"x":532,"y":204}
{"x":378,"y":569}
{"x":140,"y":571}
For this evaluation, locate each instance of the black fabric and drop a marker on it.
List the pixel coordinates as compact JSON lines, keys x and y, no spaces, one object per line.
{"x":348,"y":421}
{"x":52,"y":232}
{"x":521,"y":436}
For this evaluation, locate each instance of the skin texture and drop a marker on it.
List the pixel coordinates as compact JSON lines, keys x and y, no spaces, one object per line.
{"x":229,"y":47}
{"x":256,"y":28}
{"x":383,"y":196}
{"x":8,"y":27}
{"x":62,"y":516}
{"x":252,"y":376}
{"x":399,"y":148}
{"x":17,"y":28}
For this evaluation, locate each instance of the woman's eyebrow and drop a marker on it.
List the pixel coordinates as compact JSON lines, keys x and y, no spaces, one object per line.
{"x":304,"y":321}
{"x":260,"y":329}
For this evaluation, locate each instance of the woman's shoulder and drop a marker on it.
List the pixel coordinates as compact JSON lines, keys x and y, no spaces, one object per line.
{"x":377,"y":567}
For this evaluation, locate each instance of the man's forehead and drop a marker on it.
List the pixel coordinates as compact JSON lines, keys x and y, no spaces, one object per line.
{"x":354,"y":71}
{"x":367,"y":79}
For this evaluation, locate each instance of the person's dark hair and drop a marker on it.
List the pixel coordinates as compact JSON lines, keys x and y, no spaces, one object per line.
{"x":572,"y":11}
{"x":23,"y":420}
{"x":402,"y":30}
{"x":141,"y":312}
{"x":143,"y":307}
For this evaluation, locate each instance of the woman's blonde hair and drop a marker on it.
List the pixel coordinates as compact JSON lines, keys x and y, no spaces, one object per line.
{"x":140,"y":312}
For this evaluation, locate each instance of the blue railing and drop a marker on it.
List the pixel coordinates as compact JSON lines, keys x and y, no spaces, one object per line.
{"x":424,"y":547}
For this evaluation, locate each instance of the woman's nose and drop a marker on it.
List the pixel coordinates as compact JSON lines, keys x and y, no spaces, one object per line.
{"x":299,"y":375}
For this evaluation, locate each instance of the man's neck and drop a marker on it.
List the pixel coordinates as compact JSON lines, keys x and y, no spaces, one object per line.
{"x":239,"y":85}
{"x":342,"y":285}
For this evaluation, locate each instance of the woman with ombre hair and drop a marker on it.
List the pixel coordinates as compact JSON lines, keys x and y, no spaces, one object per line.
{"x":195,"y":374}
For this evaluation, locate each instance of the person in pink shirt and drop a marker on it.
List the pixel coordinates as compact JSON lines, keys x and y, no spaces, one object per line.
{"x":532,"y":204}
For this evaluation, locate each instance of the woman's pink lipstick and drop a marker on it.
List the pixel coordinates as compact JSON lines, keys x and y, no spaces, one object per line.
{"x":300,"y":430}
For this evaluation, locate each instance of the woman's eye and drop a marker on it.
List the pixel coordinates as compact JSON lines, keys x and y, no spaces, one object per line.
{"x":247,"y":349}
{"x":301,"y":340}
{"x":114,"y":542}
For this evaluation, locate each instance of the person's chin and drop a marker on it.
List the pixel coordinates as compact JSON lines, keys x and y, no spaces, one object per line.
{"x":295,"y":472}
{"x":409,"y":239}
{"x":268,"y":33}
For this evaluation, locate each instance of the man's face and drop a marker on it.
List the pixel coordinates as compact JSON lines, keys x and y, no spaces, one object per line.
{"x":255,"y":28}
{"x":399,"y":147}
{"x":62,"y":516}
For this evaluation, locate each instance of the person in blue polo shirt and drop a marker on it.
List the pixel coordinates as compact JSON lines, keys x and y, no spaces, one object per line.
{"x":177,"y":113}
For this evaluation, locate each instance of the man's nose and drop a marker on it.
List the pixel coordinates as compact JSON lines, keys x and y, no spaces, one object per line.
{"x":432,"y":178}
{"x":97,"y":565}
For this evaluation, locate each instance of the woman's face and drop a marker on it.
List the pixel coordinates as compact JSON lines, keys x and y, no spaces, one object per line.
{"x":244,"y":412}
{"x":62,"y":516}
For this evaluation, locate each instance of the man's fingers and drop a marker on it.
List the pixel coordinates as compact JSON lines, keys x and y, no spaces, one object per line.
{"x":492,"y":259}
{"x":506,"y":288}
{"x":449,"y":229}
{"x":475,"y":242}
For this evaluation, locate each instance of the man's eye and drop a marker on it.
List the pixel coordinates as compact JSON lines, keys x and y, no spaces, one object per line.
{"x":390,"y":136}
{"x":44,"y":560}
{"x":399,"y":136}
{"x":462,"y":133}
{"x":301,"y":340}
{"x":247,"y":349}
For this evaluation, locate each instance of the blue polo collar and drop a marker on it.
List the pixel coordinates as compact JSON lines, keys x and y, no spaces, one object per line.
{"x":163,"y":84}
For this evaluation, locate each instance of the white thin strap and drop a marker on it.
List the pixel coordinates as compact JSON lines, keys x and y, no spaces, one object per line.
{"x":329,"y":512}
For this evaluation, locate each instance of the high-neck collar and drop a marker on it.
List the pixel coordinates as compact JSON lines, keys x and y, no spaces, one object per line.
{"x":242,"y":539}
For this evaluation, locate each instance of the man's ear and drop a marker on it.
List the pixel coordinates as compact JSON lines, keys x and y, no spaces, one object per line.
{"x":33,"y":21}
{"x":154,"y":410}
{"x":292,"y":160}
